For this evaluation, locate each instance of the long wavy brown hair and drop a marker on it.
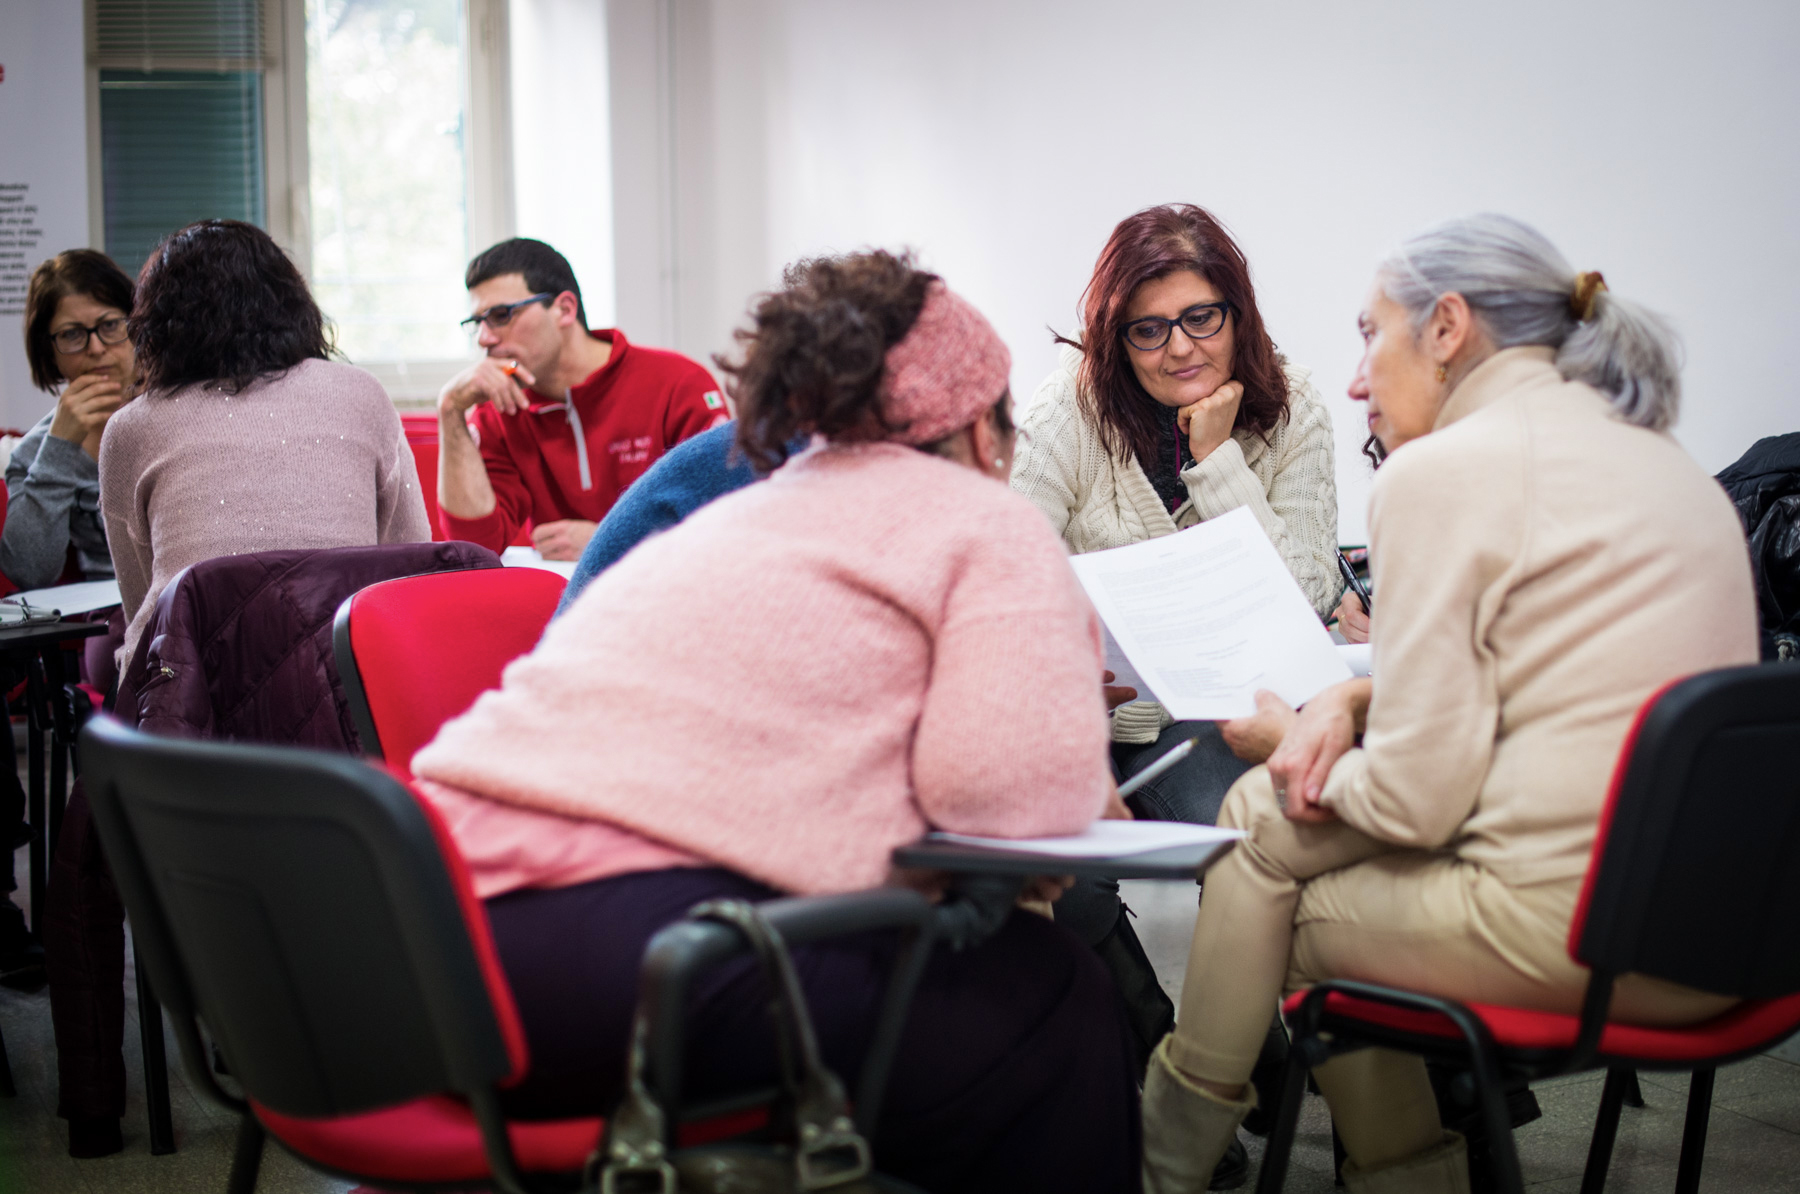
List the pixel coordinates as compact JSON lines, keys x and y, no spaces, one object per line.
{"x":1151,"y":244}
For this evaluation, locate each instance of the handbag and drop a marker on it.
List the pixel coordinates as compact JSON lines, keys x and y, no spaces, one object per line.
{"x":826,"y":1151}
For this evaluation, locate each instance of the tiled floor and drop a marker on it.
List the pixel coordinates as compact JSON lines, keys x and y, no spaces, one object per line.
{"x":1754,"y":1143}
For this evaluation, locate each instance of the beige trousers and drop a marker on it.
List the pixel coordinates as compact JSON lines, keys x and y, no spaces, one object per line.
{"x":1296,"y":903}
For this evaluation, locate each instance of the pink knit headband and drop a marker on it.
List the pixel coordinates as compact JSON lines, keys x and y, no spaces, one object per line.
{"x":947,"y":369}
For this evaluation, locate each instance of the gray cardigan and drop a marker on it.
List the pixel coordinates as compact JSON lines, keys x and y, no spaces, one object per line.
{"x":52,"y":500}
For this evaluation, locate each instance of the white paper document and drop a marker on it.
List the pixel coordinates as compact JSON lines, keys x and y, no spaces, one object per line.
{"x":528,"y":557}
{"x":1106,"y":839}
{"x":79,"y":598}
{"x":1209,"y":615}
{"x":1358,"y":658}
{"x":1124,"y":675}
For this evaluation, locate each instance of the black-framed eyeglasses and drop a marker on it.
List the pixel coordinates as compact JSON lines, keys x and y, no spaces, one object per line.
{"x":501,"y":314}
{"x":71,"y":340}
{"x":1200,"y":321}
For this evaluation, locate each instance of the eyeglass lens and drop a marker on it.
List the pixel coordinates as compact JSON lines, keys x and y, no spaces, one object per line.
{"x":1198,"y":323}
{"x":501,"y":314}
{"x":73,"y":340}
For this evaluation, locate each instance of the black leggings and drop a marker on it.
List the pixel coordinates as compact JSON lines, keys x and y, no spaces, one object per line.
{"x":1014,"y":1071}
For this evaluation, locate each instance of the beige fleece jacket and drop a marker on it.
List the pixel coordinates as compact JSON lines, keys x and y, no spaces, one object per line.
{"x":1543,"y":567}
{"x":1096,"y":500}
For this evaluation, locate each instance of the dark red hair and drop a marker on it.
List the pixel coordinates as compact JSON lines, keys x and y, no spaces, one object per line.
{"x":1151,"y":244}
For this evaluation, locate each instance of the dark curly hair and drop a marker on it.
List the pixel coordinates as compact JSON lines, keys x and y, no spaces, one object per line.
{"x":1154,"y":243}
{"x":814,"y":353}
{"x":218,"y":301}
{"x":77,"y":271}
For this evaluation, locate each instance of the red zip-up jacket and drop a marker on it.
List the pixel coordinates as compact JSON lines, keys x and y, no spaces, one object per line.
{"x":550,"y":462}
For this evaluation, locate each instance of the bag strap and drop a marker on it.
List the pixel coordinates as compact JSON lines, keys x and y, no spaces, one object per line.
{"x":829,"y":1151}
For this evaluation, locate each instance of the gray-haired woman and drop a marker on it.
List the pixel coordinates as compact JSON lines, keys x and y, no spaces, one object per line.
{"x":1532,"y":527}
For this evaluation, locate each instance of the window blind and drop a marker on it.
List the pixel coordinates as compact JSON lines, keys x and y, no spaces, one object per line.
{"x":181,"y":117}
{"x":153,"y":35}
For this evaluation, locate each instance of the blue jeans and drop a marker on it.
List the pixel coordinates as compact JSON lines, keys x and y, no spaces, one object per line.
{"x":1192,"y":791}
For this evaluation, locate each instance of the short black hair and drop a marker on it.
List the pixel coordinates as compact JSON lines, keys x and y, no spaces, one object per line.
{"x":544,"y":269}
{"x":78,"y":271}
{"x":218,"y":301}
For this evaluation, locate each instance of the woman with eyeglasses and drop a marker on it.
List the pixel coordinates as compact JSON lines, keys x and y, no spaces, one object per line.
{"x":75,"y":313}
{"x":1171,"y":407}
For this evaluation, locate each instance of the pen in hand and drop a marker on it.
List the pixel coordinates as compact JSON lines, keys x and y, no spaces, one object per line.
{"x":1356,"y":585}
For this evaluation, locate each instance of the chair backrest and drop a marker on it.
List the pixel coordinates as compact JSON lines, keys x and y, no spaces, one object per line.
{"x":415,"y":652}
{"x":1696,"y":871}
{"x":422,"y":437}
{"x":306,"y":906}
{"x":240,"y":647}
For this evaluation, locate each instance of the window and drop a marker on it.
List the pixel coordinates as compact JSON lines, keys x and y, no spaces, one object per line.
{"x":369,"y":137}
{"x":385,"y":124}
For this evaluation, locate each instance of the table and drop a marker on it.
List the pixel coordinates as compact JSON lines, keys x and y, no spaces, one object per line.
{"x":39,"y":647}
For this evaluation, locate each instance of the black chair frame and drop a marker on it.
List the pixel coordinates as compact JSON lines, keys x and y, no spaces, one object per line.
{"x":155,"y":798}
{"x":1709,"y":774}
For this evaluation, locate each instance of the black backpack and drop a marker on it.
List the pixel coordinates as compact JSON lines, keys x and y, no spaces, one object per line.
{"x":1764,"y":485}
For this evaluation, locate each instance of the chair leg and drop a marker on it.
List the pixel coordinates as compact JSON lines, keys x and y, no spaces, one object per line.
{"x":1287,"y":1118}
{"x":246,"y":1157}
{"x":156,"y":1064}
{"x":1508,"y":1179}
{"x":1634,"y":1094}
{"x":1606,"y":1128}
{"x":1693,"y":1135}
{"x":7,"y":1089}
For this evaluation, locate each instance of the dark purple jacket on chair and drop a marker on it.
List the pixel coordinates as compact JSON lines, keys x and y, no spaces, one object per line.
{"x":240,"y":646}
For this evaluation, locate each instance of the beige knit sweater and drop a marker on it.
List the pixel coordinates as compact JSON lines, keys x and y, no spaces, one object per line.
{"x":1543,"y":568}
{"x":313,"y":457}
{"x":1096,"y":500}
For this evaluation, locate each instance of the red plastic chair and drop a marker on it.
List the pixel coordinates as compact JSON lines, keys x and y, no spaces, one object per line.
{"x":1695,"y":878}
{"x":415,"y":652}
{"x":422,"y":438}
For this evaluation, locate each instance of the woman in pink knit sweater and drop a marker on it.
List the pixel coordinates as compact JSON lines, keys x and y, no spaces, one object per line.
{"x":770,"y":697}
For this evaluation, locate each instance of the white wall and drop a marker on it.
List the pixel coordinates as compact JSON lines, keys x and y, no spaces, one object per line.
{"x":562,"y":159}
{"x":1656,"y":141}
{"x":43,"y":144}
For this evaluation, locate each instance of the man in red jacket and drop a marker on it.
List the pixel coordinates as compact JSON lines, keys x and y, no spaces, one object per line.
{"x":563,"y":418}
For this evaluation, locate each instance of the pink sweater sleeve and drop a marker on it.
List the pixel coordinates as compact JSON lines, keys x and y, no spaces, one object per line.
{"x":1012,"y":737}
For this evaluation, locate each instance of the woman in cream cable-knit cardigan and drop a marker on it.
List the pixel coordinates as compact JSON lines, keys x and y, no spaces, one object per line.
{"x":1533,"y":529}
{"x":1175,"y":408}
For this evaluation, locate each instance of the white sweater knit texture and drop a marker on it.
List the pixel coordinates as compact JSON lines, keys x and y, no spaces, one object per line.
{"x":1096,"y":500}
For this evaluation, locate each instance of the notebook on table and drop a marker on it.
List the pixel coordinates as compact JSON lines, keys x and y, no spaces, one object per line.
{"x":1110,"y":849}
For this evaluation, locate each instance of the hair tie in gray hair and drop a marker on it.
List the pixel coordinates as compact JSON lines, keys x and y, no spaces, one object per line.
{"x":1587,"y":287}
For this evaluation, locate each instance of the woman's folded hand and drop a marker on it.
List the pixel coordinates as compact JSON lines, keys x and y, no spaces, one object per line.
{"x":1322,"y":733}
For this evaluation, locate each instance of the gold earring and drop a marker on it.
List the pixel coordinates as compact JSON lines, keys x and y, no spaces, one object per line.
{"x":1443,"y":373}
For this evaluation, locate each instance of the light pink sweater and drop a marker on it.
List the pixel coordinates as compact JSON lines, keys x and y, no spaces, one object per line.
{"x":314,"y":457}
{"x":797,"y":679}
